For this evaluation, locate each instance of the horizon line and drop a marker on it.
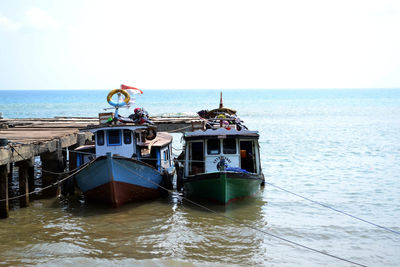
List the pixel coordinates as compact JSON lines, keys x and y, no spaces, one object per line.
{"x":222,"y":89}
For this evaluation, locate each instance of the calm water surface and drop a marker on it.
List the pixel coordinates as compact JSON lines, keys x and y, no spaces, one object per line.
{"x":339,"y":147}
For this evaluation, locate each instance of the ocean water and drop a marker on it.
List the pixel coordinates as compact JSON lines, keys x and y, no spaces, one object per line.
{"x":338,"y":147}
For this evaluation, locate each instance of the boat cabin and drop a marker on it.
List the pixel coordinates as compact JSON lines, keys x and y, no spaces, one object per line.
{"x":130,"y":142}
{"x":221,"y":149}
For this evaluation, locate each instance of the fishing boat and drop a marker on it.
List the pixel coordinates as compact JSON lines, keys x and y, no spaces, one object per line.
{"x":128,"y":161}
{"x":222,"y":162}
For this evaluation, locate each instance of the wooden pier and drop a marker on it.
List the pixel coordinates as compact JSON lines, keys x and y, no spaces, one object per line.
{"x":21,"y":140}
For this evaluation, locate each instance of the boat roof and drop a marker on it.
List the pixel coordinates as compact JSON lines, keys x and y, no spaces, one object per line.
{"x":132,"y":127}
{"x":85,"y":147}
{"x":162,"y":139}
{"x":221,"y":133}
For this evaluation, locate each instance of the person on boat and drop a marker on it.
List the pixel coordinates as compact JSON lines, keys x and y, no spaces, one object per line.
{"x":140,"y":116}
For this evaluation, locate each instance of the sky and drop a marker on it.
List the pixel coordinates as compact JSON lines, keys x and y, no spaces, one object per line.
{"x":208,"y":44}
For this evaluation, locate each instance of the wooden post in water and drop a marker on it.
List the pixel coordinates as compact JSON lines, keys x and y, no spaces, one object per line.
{"x":10,"y":173}
{"x":72,"y":159}
{"x":68,"y":186}
{"x":52,"y":162}
{"x":23,"y":174}
{"x":4,"y":191}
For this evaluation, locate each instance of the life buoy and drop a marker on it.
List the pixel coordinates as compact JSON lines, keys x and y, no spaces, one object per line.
{"x":115,"y":91}
{"x":221,"y":116}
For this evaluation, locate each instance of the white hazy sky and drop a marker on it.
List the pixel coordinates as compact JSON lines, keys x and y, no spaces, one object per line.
{"x":212,"y":44}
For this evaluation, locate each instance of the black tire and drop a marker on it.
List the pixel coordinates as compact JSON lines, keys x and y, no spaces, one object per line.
{"x":179,"y":179}
{"x":263,"y":180}
{"x":166,"y":184}
{"x":151,"y":134}
{"x":68,"y":187}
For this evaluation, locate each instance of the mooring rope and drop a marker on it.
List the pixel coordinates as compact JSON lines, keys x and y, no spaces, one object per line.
{"x":46,"y":171}
{"x":321,"y":204}
{"x":183,"y":128}
{"x":232,"y":219}
{"x":334,"y":209}
{"x":81,"y":168}
{"x":273,"y":185}
{"x":143,"y":162}
{"x":246,"y":224}
{"x":78,"y":152}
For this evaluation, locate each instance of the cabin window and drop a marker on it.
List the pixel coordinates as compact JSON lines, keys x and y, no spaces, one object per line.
{"x":213,"y":147}
{"x":166,"y":155}
{"x":127,"y":137}
{"x":196,"y":158}
{"x":100,"y":138}
{"x":247,"y":157}
{"x":151,"y":156}
{"x":229,"y":146}
{"x":114,"y":138}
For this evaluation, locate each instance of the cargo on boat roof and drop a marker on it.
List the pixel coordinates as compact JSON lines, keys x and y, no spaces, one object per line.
{"x":220,"y":133}
{"x":221,"y":163}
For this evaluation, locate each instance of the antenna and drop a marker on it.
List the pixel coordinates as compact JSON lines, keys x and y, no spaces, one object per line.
{"x":221,"y":105}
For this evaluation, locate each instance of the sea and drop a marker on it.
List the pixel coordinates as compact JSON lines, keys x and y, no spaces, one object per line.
{"x":331,"y":160}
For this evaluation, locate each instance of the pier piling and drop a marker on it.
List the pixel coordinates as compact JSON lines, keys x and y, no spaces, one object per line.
{"x":52,"y":163}
{"x":4,"y":210}
{"x":31,"y":177}
{"x":10,"y":173}
{"x":23,"y":174}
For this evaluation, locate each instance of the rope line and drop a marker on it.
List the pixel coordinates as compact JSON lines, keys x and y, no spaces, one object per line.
{"x":77,"y":170}
{"x":247,"y":225}
{"x":84,"y":166}
{"x":120,"y":157}
{"x":339,"y":211}
{"x":273,"y":185}
{"x":46,"y":171}
{"x":78,"y":152}
{"x":177,"y":130}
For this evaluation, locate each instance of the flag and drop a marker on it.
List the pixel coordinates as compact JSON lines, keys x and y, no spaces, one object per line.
{"x":134,"y":89}
{"x":131,"y":91}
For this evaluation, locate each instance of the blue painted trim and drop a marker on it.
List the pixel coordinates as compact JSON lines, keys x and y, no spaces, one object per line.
{"x":109,"y":169}
{"x":115,"y":104}
{"x":79,"y":160}
{"x":158,"y":153}
{"x":108,"y":138}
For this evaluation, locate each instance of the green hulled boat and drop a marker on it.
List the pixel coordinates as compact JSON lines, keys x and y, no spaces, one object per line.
{"x":221,"y":163}
{"x":222,"y":187}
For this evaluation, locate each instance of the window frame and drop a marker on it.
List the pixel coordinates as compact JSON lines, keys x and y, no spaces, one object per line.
{"x":98,"y":139}
{"x":127,"y":133}
{"x":208,"y":147}
{"x":119,"y":136}
{"x":223,"y":146}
